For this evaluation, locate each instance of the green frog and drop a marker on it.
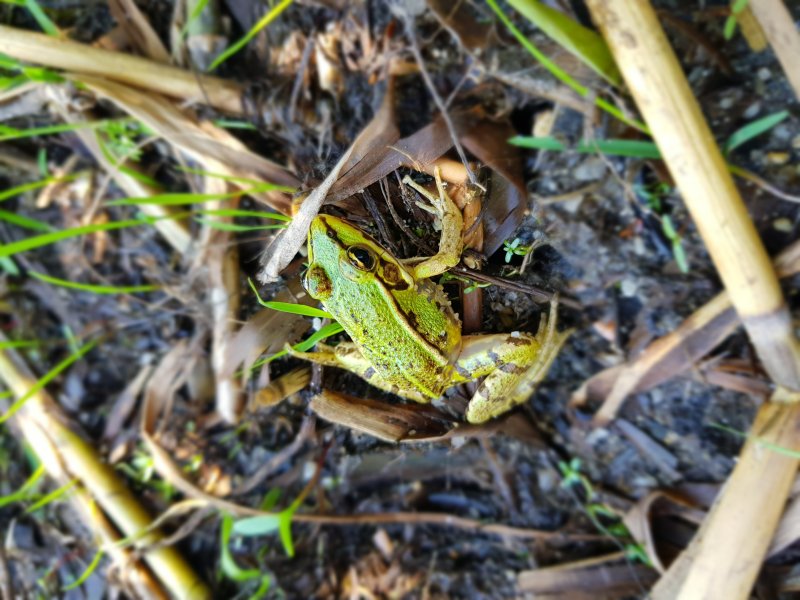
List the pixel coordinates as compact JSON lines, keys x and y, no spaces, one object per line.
{"x":406,"y":337}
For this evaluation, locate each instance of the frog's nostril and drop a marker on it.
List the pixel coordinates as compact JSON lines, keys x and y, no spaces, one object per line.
{"x":317,"y":283}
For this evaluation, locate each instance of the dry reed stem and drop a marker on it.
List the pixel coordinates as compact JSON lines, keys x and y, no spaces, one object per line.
{"x":56,"y":53}
{"x":664,"y":97}
{"x":219,"y":258}
{"x":726,"y":554}
{"x":778,"y":26}
{"x":66,"y":455}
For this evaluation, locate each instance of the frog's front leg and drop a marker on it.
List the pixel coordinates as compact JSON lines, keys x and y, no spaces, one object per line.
{"x":513,"y":364}
{"x":347,"y":356}
{"x":450,"y":242}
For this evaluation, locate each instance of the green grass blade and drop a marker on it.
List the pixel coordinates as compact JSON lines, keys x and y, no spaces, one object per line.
{"x":230,"y":124}
{"x":581,"y":41}
{"x":224,"y":226}
{"x":41,"y":18}
{"x":91,"y":568}
{"x":195,"y":14}
{"x":631,"y":148}
{"x":11,"y":133}
{"x":47,"y":378}
{"x":92,"y":288}
{"x":325,"y":332}
{"x":182,"y":198}
{"x":35,"y":185}
{"x":24,"y":222}
{"x":50,"y":238}
{"x":237,"y":212}
{"x":235,"y":179}
{"x":13,"y":344}
{"x":754,"y":129}
{"x":289,"y":307}
{"x":560,"y":74}
{"x":228,"y":565}
{"x":273,"y":14}
{"x":298,"y":309}
{"x":24,"y":492}
{"x":760,"y":440}
{"x":51,"y":497}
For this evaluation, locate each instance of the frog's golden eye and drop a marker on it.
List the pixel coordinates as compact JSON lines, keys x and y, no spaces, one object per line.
{"x":361,"y":258}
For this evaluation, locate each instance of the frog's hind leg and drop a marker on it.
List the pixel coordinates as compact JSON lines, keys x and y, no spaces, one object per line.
{"x":514,"y":364}
{"x":347,"y":356}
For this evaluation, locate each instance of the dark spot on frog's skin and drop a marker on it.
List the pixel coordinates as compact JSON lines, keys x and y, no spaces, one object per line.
{"x":392,"y":278}
{"x":518,"y":341}
{"x":495,"y":358}
{"x":512,"y":368}
{"x":369,"y":373}
{"x":463,"y":372}
{"x":412,"y":320}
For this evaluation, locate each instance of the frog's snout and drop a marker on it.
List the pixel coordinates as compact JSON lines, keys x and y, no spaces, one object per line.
{"x":317,"y":283}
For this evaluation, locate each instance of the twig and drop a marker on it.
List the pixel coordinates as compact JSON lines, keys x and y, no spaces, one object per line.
{"x":412,"y":38}
{"x":307,"y":429}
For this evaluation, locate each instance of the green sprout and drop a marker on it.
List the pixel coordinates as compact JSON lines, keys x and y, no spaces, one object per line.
{"x":516,"y":248}
{"x":600,"y":511}
{"x":653,"y":197}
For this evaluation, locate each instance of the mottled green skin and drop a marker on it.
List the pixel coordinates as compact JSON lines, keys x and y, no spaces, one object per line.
{"x":406,"y":329}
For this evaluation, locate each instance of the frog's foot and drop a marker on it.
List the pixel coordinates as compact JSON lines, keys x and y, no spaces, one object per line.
{"x":514,"y":364}
{"x":347,"y":356}
{"x":450,"y":242}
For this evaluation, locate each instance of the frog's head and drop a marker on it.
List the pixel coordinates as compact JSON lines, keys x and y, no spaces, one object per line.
{"x":341,"y":255}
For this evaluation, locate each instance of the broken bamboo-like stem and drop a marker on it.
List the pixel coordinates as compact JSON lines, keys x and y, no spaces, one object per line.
{"x":144,"y":73}
{"x":778,"y":25}
{"x":726,"y":554}
{"x":665,"y":99}
{"x":65,"y":455}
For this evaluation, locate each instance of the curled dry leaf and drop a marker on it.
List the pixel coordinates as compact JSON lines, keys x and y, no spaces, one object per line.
{"x":638,"y":520}
{"x":388,"y":422}
{"x":608,"y":576}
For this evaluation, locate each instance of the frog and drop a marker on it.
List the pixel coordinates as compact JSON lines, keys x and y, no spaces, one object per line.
{"x":406,"y":337}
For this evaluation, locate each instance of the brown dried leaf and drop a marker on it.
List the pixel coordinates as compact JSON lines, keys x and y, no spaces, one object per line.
{"x":638,"y":522}
{"x":459,"y":18}
{"x":139,"y":32}
{"x":267,"y":331}
{"x":603,"y":577}
{"x":202,"y":141}
{"x":379,"y":132}
{"x":388,"y":422}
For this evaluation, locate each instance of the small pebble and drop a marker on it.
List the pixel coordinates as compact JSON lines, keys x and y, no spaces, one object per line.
{"x":782,"y":224}
{"x":590,"y":169}
{"x":796,"y":142}
{"x":764,"y":73}
{"x":726,"y":103}
{"x":751,"y":112}
{"x":628,"y":287}
{"x":777,"y":158}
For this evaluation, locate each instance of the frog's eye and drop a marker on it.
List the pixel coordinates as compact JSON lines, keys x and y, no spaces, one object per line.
{"x":361,"y":258}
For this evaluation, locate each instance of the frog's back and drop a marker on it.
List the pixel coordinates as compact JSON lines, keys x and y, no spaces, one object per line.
{"x":411,"y":337}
